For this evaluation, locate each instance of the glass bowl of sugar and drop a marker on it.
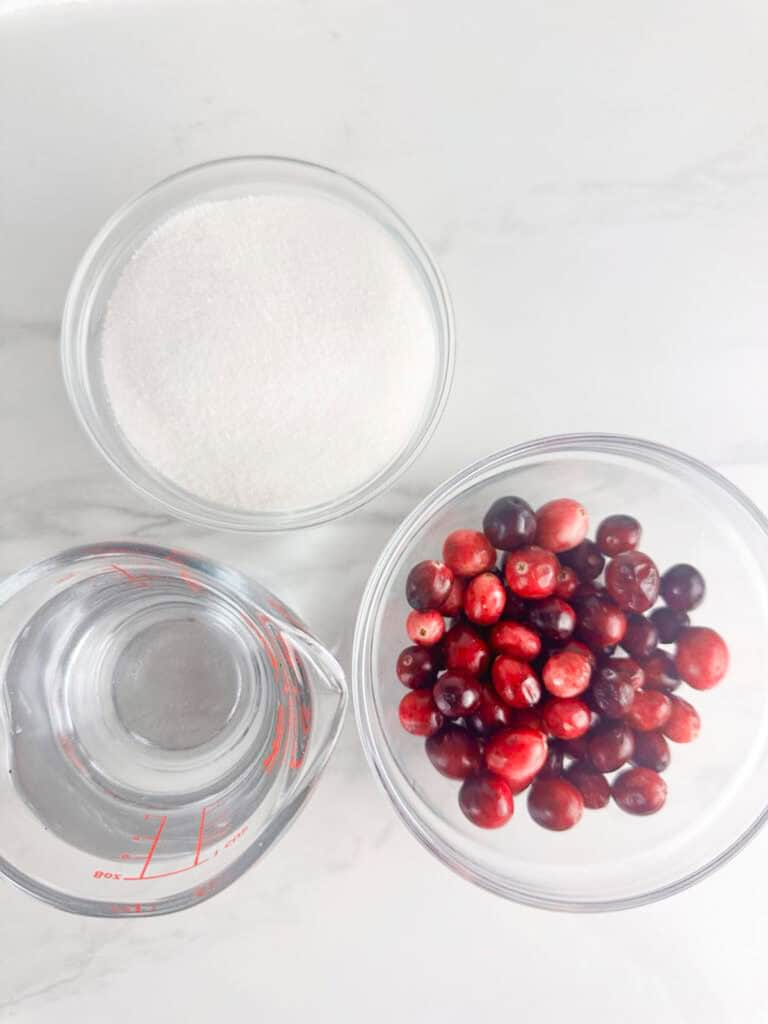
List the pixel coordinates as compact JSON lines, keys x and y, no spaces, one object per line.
{"x":258,"y":344}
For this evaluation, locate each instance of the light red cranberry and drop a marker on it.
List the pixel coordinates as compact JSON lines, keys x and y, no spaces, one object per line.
{"x":531,"y":572}
{"x":649,"y":711}
{"x":567,"y":673}
{"x":516,"y":640}
{"x":515,"y":682}
{"x":419,"y":714}
{"x":639,"y":791}
{"x":468,"y":552}
{"x":425,"y":628}
{"x":561,"y":524}
{"x":701,"y":657}
{"x":486,"y":800}
{"x":566,"y":718}
{"x":555,"y":804}
{"x":516,"y":755}
{"x":683,"y":724}
{"x":484,"y":599}
{"x":464,"y":647}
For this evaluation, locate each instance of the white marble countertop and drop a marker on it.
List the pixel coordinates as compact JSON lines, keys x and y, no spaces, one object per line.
{"x":593,"y":178}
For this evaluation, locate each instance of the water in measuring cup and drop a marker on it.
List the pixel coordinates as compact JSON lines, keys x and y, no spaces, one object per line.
{"x":143,"y":696}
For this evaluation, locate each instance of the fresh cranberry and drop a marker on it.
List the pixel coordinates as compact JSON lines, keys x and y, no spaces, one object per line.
{"x":526,"y":718}
{"x":632,"y":580}
{"x":454,"y":752}
{"x":639,"y":791}
{"x":585,"y":560}
{"x":417,"y":666}
{"x":566,"y":718}
{"x":428,"y":585}
{"x":516,"y":754}
{"x":577,"y":647}
{"x":486,"y":800}
{"x":463,"y":647}
{"x":618,"y":534}
{"x":515,"y":610}
{"x":577,"y":749}
{"x":468,"y":552}
{"x":683,"y":724}
{"x":566,"y":674}
{"x":490,"y":714}
{"x":515,"y":682}
{"x":509,"y":523}
{"x":419,"y":714}
{"x":516,"y":640}
{"x":456,"y":693}
{"x":611,"y":746}
{"x":454,"y":603}
{"x":585,"y":590}
{"x":553,"y":618}
{"x":531,"y":572}
{"x":561,"y":524}
{"x":613,"y":694}
{"x":601,"y":623}
{"x":553,"y":766}
{"x":660,"y":672}
{"x":701,"y":657}
{"x":567,"y":582}
{"x":651,"y":751}
{"x":641,"y":636}
{"x":649,"y":711}
{"x":555,"y":804}
{"x":669,"y":624}
{"x":484,"y":599}
{"x":594,"y":787}
{"x":425,"y":628}
{"x":683,"y":588}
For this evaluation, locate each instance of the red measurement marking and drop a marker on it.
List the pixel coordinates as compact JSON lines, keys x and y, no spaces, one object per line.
{"x":306,"y":717}
{"x":177,"y":558}
{"x":140,"y":581}
{"x":269,"y":762}
{"x":153,"y":847}
{"x":163,"y":874}
{"x":200,"y":836}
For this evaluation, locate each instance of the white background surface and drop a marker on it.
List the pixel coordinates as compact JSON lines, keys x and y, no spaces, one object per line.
{"x":593,"y":178}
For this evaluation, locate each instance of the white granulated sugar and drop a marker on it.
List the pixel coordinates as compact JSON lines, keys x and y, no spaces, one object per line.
{"x":269,"y":352}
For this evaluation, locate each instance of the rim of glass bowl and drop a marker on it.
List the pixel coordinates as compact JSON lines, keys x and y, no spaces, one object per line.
{"x":114,"y":244}
{"x":406,"y":803}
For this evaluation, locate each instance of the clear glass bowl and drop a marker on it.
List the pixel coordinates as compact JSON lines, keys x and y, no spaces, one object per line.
{"x":163,"y":721}
{"x":718,"y":786}
{"x":114,"y":245}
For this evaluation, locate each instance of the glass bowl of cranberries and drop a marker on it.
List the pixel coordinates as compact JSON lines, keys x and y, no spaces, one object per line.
{"x":559,"y":672}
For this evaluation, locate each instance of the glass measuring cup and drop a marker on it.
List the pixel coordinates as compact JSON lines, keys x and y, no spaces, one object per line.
{"x":163,"y":720}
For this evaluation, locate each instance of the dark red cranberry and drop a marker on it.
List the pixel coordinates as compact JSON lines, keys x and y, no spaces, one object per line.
{"x":531,"y":572}
{"x":611,"y":746}
{"x":701,"y":657}
{"x":553,"y":766}
{"x":509,"y":523}
{"x":641,"y":636}
{"x":561,"y":524}
{"x":515,"y":682}
{"x":585,"y":590}
{"x":594,"y":787}
{"x":454,"y":603}
{"x":660,"y":672}
{"x":428,"y":585}
{"x":567,"y":674}
{"x":639,"y":791}
{"x":683,"y":588}
{"x":417,"y":666}
{"x":456,"y":693}
{"x":515,"y":610}
{"x":567,"y":582}
{"x":566,"y":718}
{"x":526,"y":718}
{"x":463,"y":647}
{"x":612,"y":692}
{"x":454,"y":752}
{"x":577,"y":749}
{"x":649,"y":711}
{"x":553,"y":618}
{"x":516,"y":640}
{"x":618,"y":534}
{"x":516,"y":754}
{"x":601,"y":622}
{"x":486,"y":800}
{"x":669,"y":624}
{"x":425,"y":628}
{"x":484,"y":599}
{"x":585,"y":560}
{"x":555,"y":804}
{"x":490,"y":714}
{"x":651,"y":751}
{"x":632,"y":580}
{"x":419,"y":714}
{"x":683,"y":724}
{"x":468,"y":552}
